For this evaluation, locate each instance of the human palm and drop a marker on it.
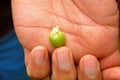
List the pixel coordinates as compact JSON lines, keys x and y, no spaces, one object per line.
{"x":90,"y":27}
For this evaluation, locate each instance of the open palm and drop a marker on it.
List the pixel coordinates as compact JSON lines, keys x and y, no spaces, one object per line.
{"x":90,"y":27}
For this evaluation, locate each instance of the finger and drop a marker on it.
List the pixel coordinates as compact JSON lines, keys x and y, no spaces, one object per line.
{"x":37,"y":63}
{"x":111,"y":66}
{"x":89,"y":68}
{"x":110,"y":61}
{"x":63,"y":65}
{"x":112,"y":73}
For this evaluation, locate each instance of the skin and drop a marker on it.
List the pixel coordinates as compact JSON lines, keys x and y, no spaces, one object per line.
{"x":90,"y":27}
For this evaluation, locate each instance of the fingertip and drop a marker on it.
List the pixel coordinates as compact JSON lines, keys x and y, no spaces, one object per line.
{"x":89,"y":68}
{"x":38,"y":65}
{"x":63,"y":65}
{"x":39,"y":55}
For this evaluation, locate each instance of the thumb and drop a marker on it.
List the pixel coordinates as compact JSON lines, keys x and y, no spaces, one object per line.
{"x":37,"y":62}
{"x":89,"y":68}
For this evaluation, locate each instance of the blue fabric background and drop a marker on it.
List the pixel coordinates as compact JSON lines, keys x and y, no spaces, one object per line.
{"x":12,"y":65}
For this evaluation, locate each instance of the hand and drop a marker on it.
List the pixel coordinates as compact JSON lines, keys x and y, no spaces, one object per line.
{"x":90,"y":27}
{"x":63,"y":67}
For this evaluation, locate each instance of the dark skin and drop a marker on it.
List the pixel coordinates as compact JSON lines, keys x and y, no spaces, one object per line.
{"x":93,"y":31}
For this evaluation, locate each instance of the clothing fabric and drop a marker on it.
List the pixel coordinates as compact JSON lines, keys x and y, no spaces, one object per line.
{"x":12,"y":66}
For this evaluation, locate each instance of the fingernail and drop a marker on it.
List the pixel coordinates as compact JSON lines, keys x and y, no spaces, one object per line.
{"x":90,"y":67}
{"x":64,"y":61}
{"x":28,"y":71}
{"x":39,"y":56}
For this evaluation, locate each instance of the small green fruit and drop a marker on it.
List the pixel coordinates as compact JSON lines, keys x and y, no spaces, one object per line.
{"x":57,"y":37}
